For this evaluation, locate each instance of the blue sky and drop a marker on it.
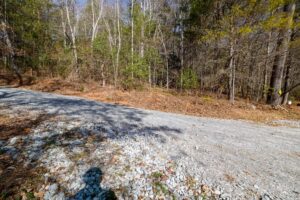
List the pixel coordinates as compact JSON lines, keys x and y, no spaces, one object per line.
{"x":82,"y":2}
{"x":123,"y":2}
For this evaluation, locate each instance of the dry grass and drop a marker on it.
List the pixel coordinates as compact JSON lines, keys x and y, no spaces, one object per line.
{"x":208,"y":105}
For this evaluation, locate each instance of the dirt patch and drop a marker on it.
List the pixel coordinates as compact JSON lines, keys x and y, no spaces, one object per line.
{"x":204,"y":105}
{"x":229,"y":178}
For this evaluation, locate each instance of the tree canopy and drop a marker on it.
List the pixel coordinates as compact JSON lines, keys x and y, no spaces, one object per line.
{"x":245,"y":48}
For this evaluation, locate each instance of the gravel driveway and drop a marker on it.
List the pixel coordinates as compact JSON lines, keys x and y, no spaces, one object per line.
{"x":142,"y":154}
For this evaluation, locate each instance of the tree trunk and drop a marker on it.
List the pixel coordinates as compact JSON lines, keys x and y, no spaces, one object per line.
{"x":11,"y":53}
{"x":63,"y":24}
{"x":142,"y":50}
{"x":165,"y":56}
{"x":274,"y":93}
{"x":103,"y":75}
{"x":265,"y":81}
{"x":119,"y":45}
{"x":232,"y":74}
{"x":95,"y":21}
{"x":149,"y":75}
{"x":181,"y":50}
{"x":286,"y":86}
{"x":112,"y":44}
{"x":73,"y":38}
{"x":132,"y":36}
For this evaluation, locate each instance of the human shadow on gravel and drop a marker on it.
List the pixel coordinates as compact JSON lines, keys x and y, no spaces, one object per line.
{"x":93,"y":189}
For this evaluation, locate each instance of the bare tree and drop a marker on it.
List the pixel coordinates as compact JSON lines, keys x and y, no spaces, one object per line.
{"x":63,"y":25}
{"x":232,"y":72}
{"x":181,"y":48}
{"x":72,"y":28}
{"x":132,"y":33}
{"x":119,"y":45}
{"x":96,"y":19}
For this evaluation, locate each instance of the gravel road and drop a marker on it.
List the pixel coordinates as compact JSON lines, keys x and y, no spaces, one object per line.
{"x":149,"y":154}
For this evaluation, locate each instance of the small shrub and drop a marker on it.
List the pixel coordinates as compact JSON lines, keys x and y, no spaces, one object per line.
{"x":135,"y":74}
{"x":157,"y":175}
{"x":189,"y":79}
{"x":30,"y":196}
{"x":161,"y":187}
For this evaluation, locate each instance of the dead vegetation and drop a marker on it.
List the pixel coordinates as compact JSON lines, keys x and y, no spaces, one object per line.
{"x":12,"y":127}
{"x":9,"y":79}
{"x":21,"y":180}
{"x":204,"y":105}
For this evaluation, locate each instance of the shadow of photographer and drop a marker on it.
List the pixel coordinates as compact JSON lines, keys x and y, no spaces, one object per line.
{"x":92,"y":189}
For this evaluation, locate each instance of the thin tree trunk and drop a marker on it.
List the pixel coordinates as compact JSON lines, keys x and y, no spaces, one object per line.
{"x":95,"y":21}
{"x":63,"y":24}
{"x":265,"y":81}
{"x":73,"y":38}
{"x":232,"y":74}
{"x":111,"y":42}
{"x":149,"y":75}
{"x":85,"y":30}
{"x":119,"y":44}
{"x":166,"y":55}
{"x":287,"y":80}
{"x":11,"y":53}
{"x":258,"y":92}
{"x":143,"y":30}
{"x":274,"y":94}
{"x":103,"y":75}
{"x":181,"y":50}
{"x":132,"y":36}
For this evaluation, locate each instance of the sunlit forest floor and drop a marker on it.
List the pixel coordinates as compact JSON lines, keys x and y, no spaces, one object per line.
{"x":189,"y":103}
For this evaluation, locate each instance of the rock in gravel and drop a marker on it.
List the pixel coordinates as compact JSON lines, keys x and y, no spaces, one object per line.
{"x":52,"y":189}
{"x":265,"y":197}
{"x":217,"y":192}
{"x":13,"y":140}
{"x":225,"y":196}
{"x":59,"y":196}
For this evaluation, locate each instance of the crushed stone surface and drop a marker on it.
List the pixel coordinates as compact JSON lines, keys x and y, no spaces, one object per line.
{"x":93,"y":150}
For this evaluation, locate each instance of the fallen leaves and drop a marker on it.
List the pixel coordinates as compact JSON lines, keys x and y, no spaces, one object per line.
{"x":205,"y":105}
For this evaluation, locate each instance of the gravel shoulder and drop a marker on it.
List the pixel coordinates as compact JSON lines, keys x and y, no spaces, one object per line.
{"x":149,"y":154}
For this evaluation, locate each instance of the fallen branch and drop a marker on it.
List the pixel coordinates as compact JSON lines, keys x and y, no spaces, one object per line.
{"x":290,"y":89}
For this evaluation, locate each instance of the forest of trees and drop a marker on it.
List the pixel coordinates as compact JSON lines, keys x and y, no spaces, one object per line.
{"x":244,"y":48}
